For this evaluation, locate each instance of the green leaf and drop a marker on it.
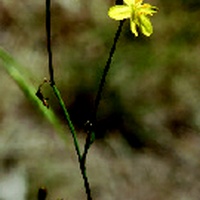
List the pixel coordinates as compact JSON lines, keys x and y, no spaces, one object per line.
{"x":13,"y":69}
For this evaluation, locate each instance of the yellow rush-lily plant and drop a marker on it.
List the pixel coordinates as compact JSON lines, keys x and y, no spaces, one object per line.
{"x":138,"y":14}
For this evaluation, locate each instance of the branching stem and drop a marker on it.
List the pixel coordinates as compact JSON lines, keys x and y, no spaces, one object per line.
{"x":61,"y":102}
{"x":92,"y":122}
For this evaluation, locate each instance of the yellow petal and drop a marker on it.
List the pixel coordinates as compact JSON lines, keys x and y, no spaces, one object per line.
{"x":145,"y":25}
{"x":129,"y":2}
{"x":119,"y":12}
{"x":134,"y":28}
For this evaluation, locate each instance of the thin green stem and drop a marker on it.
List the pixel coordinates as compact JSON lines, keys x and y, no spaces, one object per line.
{"x":67,"y":117}
{"x":51,"y":72}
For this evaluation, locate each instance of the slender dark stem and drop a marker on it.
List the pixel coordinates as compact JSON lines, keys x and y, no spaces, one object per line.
{"x":89,"y":140}
{"x":92,"y":124}
{"x":48,"y":31}
{"x":86,"y":182}
{"x":106,"y":70}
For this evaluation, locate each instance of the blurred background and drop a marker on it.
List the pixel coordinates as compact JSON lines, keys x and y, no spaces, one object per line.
{"x":148,"y":143}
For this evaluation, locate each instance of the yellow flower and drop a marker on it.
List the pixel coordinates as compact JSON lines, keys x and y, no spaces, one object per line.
{"x":138,"y":14}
